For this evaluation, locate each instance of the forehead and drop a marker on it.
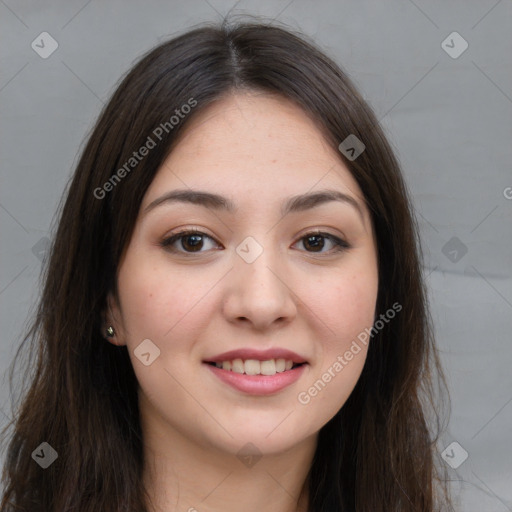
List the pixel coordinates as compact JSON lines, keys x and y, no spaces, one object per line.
{"x":254,"y":146}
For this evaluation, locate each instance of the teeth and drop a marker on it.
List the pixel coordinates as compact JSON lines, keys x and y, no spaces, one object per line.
{"x":255,"y":367}
{"x":252,"y":367}
{"x":280,"y":365}
{"x":237,"y":366}
{"x":268,"y":367}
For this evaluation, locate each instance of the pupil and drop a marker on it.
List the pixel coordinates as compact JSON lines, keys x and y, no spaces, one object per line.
{"x":195,"y":244}
{"x":315,"y":241}
{"x":315,"y":244}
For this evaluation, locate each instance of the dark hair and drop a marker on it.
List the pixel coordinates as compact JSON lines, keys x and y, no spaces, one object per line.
{"x":378,"y":453}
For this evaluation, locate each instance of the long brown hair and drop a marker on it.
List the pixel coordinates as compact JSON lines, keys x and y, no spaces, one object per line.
{"x":378,"y":453}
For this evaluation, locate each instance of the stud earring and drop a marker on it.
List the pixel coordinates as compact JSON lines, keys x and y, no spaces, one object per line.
{"x":110,"y":332}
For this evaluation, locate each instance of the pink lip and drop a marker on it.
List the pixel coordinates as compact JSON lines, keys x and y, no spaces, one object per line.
{"x":258,"y":384}
{"x":259,"y":355}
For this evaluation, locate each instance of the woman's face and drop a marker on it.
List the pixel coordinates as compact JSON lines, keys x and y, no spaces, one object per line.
{"x":256,"y":280}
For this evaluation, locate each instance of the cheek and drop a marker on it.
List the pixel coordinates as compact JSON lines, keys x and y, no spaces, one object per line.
{"x":160,"y":301}
{"x":347,"y":310}
{"x":143,"y":292}
{"x":163,"y":305}
{"x":346,"y":304}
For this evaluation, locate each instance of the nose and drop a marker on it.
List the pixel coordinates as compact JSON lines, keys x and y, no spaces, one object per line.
{"x":259,"y":294}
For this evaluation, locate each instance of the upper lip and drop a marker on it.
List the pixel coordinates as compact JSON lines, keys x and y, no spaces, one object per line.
{"x":258,"y":355}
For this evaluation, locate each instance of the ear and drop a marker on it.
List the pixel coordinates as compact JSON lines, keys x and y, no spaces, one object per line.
{"x":111,"y":317}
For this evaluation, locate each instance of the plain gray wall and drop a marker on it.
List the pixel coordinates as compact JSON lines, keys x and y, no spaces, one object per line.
{"x":448,"y":116}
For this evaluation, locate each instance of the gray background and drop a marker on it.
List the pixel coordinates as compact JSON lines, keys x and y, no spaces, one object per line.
{"x":450,"y":120}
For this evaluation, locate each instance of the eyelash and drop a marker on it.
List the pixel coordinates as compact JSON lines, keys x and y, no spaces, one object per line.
{"x":340,"y":244}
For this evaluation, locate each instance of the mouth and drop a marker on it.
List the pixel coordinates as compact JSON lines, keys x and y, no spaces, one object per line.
{"x":256,"y":371}
{"x":255,"y":377}
{"x":256,"y":367}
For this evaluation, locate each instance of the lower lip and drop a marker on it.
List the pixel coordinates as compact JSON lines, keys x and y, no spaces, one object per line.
{"x":258,"y":384}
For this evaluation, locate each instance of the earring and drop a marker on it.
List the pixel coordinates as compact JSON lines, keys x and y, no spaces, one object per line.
{"x":110,"y":332}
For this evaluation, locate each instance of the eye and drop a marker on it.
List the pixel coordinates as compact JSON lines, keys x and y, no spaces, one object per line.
{"x":192,"y":240}
{"x":316,"y":241}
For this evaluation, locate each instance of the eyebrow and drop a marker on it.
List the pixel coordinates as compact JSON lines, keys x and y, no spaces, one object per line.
{"x":293,"y":204}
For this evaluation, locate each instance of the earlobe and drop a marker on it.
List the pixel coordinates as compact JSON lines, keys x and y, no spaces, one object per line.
{"x":110,"y":334}
{"x":109,"y":322}
{"x":110,"y":331}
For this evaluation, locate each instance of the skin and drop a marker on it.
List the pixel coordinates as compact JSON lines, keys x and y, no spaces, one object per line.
{"x":257,"y":150}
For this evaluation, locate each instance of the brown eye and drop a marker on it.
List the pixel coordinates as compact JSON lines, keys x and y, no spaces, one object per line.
{"x":190,"y":241}
{"x":315,"y":242}
{"x":193,"y":241}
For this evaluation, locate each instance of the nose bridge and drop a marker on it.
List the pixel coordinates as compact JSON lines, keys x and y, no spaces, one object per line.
{"x":259,"y":293}
{"x":258,"y":261}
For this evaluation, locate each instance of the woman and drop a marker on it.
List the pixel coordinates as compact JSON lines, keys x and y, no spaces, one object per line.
{"x":233,"y":312}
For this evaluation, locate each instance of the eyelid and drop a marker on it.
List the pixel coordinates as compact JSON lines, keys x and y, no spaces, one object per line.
{"x":339,"y":242}
{"x":174,"y":236}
